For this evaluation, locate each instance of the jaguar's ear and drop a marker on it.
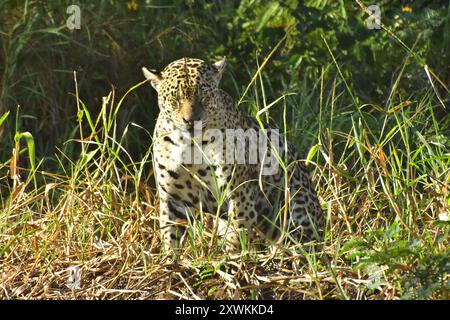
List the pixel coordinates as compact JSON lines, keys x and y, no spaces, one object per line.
{"x":153,"y":76}
{"x":220,"y":65}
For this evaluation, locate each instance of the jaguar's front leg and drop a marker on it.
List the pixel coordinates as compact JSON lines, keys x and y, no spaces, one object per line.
{"x":242,"y":216}
{"x":172,"y":220}
{"x":168,"y":227}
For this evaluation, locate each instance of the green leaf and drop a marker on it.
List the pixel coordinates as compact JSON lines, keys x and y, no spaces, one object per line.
{"x":3,"y":117}
{"x":312,"y":152}
{"x":351,"y":244}
{"x":30,"y":144}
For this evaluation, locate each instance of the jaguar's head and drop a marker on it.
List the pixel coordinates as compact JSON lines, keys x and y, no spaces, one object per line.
{"x":184,"y":87}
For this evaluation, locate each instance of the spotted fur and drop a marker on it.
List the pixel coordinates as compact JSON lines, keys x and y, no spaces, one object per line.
{"x":188,"y":91}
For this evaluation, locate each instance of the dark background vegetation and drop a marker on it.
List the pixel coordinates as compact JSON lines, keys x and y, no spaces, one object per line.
{"x":39,"y":54}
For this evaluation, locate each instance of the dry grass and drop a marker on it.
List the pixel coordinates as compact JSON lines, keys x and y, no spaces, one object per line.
{"x":116,"y":252}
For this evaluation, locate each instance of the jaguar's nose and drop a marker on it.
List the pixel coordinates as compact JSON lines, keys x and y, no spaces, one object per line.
{"x":192,"y":118}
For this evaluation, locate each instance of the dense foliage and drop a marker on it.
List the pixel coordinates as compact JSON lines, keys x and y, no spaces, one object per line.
{"x":39,"y":53}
